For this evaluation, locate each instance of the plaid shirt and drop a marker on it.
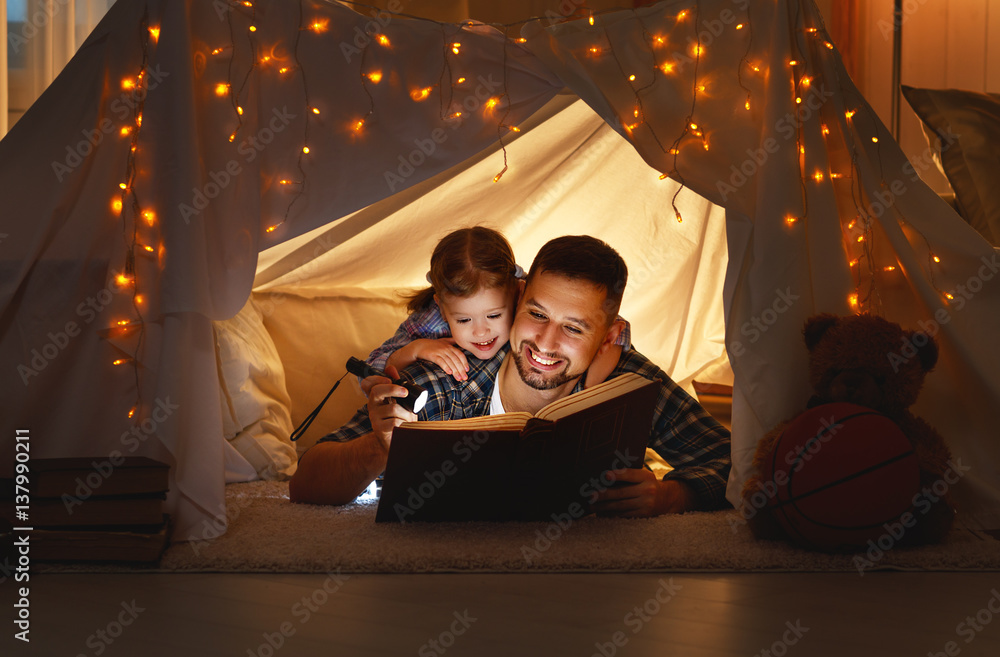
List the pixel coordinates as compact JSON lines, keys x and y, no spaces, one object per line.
{"x":683,"y":433}
{"x":428,"y":323}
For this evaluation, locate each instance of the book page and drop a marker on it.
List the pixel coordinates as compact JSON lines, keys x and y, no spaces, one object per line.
{"x":497,"y":422}
{"x":592,"y":396}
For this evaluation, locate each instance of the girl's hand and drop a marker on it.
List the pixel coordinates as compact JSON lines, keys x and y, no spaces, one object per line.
{"x":444,"y":354}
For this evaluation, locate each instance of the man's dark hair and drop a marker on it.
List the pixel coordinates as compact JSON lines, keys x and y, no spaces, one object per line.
{"x":582,"y":257}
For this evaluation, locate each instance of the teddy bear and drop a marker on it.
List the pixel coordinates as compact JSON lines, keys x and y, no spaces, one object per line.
{"x":870,"y":361}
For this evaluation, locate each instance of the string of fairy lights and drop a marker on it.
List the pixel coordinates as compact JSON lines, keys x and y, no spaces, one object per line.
{"x":140,"y":223}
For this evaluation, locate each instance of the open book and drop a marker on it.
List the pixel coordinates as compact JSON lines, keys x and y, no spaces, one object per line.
{"x":518,"y":466}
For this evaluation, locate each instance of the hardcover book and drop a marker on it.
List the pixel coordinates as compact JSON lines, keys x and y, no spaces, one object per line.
{"x":518,"y":466}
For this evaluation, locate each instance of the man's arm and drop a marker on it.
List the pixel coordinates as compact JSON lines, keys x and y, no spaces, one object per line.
{"x":688,"y":438}
{"x":333,"y":472}
{"x":336,"y":473}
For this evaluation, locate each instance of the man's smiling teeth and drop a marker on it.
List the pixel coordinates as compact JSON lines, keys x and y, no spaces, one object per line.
{"x":542,"y":361}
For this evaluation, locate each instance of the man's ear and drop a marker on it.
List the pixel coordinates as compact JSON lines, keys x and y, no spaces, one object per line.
{"x":611,"y":336}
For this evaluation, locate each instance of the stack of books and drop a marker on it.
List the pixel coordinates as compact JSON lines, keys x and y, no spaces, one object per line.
{"x":93,"y":509}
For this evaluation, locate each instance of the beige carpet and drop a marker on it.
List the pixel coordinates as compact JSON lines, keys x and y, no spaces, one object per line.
{"x":267,"y":533}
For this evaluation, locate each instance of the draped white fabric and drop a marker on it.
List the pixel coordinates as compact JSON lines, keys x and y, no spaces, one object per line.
{"x":214,"y":200}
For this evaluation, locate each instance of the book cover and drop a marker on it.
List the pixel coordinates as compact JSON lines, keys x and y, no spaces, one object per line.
{"x":146,"y":509}
{"x":517,"y":466}
{"x":84,"y":477}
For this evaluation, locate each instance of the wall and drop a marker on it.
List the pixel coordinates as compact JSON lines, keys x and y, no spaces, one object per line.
{"x":946,"y":44}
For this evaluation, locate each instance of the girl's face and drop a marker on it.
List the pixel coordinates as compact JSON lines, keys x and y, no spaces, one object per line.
{"x":480,"y":323}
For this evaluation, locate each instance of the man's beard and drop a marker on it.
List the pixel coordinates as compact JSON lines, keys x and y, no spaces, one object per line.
{"x":541,"y":380}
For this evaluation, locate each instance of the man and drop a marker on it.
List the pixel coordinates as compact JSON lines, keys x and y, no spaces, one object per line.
{"x":564,"y":319}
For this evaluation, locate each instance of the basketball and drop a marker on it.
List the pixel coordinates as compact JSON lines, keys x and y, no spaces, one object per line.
{"x":840,"y":473}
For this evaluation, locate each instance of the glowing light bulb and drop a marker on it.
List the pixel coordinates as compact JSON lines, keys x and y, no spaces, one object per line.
{"x":756,"y":69}
{"x":594,"y":50}
{"x":667,"y":68}
{"x":455,"y":47}
{"x":818,"y":176}
{"x":383,"y":40}
{"x":825,"y":130}
{"x":701,"y":88}
{"x":698,"y":50}
{"x":806,"y":81}
{"x":793,"y":62}
{"x":677,"y":215}
{"x":149,"y":216}
{"x":116,"y":205}
{"x":420,"y":94}
{"x":828,"y":45}
{"x":861,"y":238}
{"x":154,"y":33}
{"x":283,"y":70}
{"x":935,"y":258}
{"x":664,"y":176}
{"x":139,"y":299}
{"x":305,"y":149}
{"x":673,"y":151}
{"x":683,"y":13}
{"x":739,"y":26}
{"x":521,"y":40}
{"x":128,"y":83}
{"x":747,"y":104}
{"x":271,"y":229}
{"x":949,"y":296}
{"x":456,"y":115}
{"x":496,"y":178}
{"x":148,"y":248}
{"x":232,"y":137}
{"x":591,"y":19}
{"x":852,"y":224}
{"x":798,"y":101}
{"x":790,"y":219}
{"x":265,"y":59}
{"x":874,"y":140}
{"x":889,"y":268}
{"x":358,"y":125}
{"x":319,"y":25}
{"x":849,"y":113}
{"x":217,"y":51}
{"x":221,"y":89}
{"x":284,"y":181}
{"x":131,"y":412}
{"x":811,"y":30}
{"x":315,"y":110}
{"x":375,"y":76}
{"x":853,"y":263}
{"x":660,"y":40}
{"x":514,"y":128}
{"x":631,"y":78}
{"x":125,"y":131}
{"x":834,"y":176}
{"x":123,"y":185}
{"x":253,"y":28}
{"x":852,"y":299}
{"x":460,"y":80}
{"x":121,"y":280}
{"x":239,"y":110}
{"x":492,"y":103}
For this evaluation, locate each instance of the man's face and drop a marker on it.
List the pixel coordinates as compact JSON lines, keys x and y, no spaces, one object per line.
{"x":558,"y":328}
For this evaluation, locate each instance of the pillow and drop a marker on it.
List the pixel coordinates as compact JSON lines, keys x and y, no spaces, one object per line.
{"x":963,"y":127}
{"x":255,"y":416}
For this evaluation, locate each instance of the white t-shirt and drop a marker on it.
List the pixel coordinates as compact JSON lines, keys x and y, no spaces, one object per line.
{"x":496,"y":406}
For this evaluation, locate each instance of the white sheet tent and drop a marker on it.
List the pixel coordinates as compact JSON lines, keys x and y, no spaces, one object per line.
{"x":402,"y":147}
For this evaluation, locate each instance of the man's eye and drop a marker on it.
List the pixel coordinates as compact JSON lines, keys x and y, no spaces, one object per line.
{"x":536,"y":315}
{"x":574,"y":330}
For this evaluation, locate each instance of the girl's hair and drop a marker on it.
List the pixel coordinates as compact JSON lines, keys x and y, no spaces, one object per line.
{"x":465,"y":262}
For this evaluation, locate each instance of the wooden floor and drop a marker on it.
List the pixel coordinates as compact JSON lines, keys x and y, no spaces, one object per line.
{"x":483,"y":614}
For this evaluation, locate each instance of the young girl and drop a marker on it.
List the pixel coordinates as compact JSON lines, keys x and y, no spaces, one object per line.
{"x":469,"y":308}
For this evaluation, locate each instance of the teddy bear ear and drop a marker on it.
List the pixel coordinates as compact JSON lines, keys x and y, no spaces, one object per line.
{"x":816,"y":326}
{"x":928,"y":352}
